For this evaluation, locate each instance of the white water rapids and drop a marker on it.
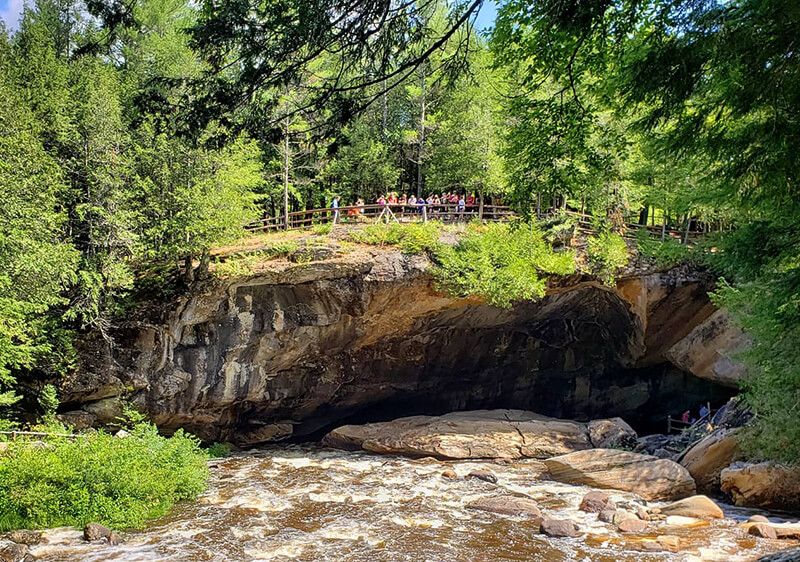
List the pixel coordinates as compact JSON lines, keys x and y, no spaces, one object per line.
{"x":306,"y":503}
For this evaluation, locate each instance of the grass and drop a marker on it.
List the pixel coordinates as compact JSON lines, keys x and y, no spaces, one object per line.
{"x":99,"y":478}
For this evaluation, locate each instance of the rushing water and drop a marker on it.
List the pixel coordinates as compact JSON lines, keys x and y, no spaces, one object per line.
{"x":307,"y":503}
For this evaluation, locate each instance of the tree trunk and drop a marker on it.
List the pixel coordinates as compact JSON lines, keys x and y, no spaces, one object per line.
{"x":688,"y":226}
{"x":385,"y":112}
{"x":286,"y":173}
{"x":421,"y":133}
{"x":643,"y":215}
{"x":664,"y":226}
{"x":480,"y":204}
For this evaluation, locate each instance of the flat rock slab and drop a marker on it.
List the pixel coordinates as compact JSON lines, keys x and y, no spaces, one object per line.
{"x":507,"y":505}
{"x":477,"y":434}
{"x":652,"y":478}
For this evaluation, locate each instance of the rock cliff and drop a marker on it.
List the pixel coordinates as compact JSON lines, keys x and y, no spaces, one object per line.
{"x":367,"y":337}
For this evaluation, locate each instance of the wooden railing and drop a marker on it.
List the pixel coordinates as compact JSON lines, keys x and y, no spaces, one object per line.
{"x":356,"y":214}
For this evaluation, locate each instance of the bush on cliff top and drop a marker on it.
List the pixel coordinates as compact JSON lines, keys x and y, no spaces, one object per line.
{"x":500,"y":262}
{"x":101,"y":478}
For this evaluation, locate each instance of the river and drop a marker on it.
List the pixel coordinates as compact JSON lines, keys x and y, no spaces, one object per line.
{"x":306,"y":503}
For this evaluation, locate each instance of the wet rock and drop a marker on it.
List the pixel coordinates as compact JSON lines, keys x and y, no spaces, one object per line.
{"x":558,"y":528}
{"x":466,"y":435}
{"x":762,"y":530}
{"x":621,"y":515}
{"x":485,"y":475}
{"x":787,"y":555}
{"x":77,"y":419}
{"x":700,"y":507}
{"x":764,"y":485}
{"x":14,"y":552}
{"x":651,"y":478}
{"x":688,"y":522}
{"x":642,"y":514}
{"x":787,"y":530}
{"x":631,"y":525}
{"x":26,"y":537}
{"x":595,"y":502}
{"x":451,"y":474}
{"x":757,"y":519}
{"x":508,"y":505}
{"x":95,"y":531}
{"x":607,"y":515}
{"x":669,"y":542}
{"x":707,"y":459}
{"x":610,"y":433}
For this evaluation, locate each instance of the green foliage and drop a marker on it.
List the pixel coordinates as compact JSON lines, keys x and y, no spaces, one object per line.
{"x":218,"y":451}
{"x":322,"y":229}
{"x":607,"y":252}
{"x":118,"y":482}
{"x":501,"y":263}
{"x":48,"y":402}
{"x":666,"y":254}
{"x":413,"y":238}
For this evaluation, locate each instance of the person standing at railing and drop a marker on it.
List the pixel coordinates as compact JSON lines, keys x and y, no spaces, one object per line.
{"x":685,"y":416}
{"x":470,"y":200}
{"x":462,"y":206}
{"x":335,"y":207}
{"x":703,"y":411}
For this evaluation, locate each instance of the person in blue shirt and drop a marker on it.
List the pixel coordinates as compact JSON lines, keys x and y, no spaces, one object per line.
{"x":335,"y":207}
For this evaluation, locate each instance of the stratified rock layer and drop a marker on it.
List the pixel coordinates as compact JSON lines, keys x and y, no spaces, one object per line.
{"x":650,"y":477}
{"x":764,"y":485}
{"x":366,"y":336}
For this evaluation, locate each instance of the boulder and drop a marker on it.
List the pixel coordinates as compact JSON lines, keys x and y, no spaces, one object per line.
{"x":507,"y":505}
{"x":13,"y":552}
{"x":670,"y":542}
{"x":595,"y":502}
{"x":475,"y":434}
{"x":706,"y":460}
{"x":762,"y":530}
{"x":757,"y":519}
{"x":700,"y":507}
{"x":77,"y":419}
{"x":631,"y":525}
{"x":558,"y":528}
{"x":95,"y":531}
{"x":764,"y":485}
{"x":787,"y":530}
{"x":607,"y":515}
{"x":25,"y":537}
{"x":485,"y":475}
{"x":787,"y":555}
{"x":653,"y":479}
{"x":610,"y":433}
{"x":449,"y":473}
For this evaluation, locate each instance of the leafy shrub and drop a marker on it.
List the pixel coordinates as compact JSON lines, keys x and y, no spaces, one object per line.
{"x":607,"y":252}
{"x":117,"y":482}
{"x":322,"y":229}
{"x":218,"y":450}
{"x":501,"y":263}
{"x":413,"y":238}
{"x":666,"y":254}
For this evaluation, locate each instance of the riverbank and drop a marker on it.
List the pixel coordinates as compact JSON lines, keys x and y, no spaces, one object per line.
{"x":309,"y":503}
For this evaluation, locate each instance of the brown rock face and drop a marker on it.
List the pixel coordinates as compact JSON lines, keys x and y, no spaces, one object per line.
{"x":706,"y":460}
{"x":312,"y":345}
{"x":466,"y":435}
{"x":763,"y":485}
{"x":650,"y":477}
{"x":696,"y":506}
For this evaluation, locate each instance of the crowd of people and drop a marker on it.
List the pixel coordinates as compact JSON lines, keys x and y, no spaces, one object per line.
{"x":435,"y":204}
